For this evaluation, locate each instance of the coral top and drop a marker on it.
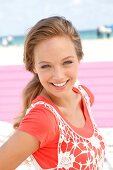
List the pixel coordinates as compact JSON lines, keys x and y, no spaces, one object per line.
{"x":62,"y":145}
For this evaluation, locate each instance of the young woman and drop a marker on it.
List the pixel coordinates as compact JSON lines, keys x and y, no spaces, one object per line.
{"x":56,"y":126}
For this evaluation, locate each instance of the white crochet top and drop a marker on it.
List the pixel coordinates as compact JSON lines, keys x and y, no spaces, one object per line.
{"x":68,"y":159}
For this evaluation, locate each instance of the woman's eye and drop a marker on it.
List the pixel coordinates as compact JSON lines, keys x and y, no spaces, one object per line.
{"x":45,"y":66}
{"x":68,"y":62}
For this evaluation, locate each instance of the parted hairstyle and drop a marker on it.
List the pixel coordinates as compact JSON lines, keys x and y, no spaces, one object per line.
{"x":43,"y":30}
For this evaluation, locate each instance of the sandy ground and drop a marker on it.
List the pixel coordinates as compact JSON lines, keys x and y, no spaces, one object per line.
{"x":94,"y":50}
{"x":98,"y":50}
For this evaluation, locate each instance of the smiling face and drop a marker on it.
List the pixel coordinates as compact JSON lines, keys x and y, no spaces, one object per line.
{"x":56,"y":64}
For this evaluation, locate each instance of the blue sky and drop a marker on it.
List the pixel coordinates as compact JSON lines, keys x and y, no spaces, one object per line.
{"x":16,"y":16}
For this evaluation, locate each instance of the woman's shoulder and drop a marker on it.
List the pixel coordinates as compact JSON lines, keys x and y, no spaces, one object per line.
{"x":39,"y":110}
{"x":89,"y":92}
{"x":82,"y":88}
{"x":40,"y":122}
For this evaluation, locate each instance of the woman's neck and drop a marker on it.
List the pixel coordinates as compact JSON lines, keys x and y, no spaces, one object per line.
{"x":65,"y":101}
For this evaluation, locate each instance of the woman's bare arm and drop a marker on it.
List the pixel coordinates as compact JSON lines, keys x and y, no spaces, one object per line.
{"x":17,"y":149}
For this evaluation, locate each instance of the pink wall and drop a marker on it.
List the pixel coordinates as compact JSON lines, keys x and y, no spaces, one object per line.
{"x":97,"y":76}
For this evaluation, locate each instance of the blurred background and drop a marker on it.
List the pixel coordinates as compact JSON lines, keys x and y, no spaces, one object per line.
{"x":94,"y":21}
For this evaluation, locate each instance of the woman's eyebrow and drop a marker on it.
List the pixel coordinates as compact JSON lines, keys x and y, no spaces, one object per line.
{"x":69,"y":57}
{"x":44,"y":62}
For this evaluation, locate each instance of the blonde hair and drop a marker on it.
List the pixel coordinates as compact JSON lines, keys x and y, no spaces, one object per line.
{"x":43,"y":30}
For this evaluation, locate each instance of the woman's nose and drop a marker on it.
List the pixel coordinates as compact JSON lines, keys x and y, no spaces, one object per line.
{"x":58,"y":74}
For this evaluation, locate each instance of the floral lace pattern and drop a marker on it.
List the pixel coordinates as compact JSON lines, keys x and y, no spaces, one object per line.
{"x":74,"y":151}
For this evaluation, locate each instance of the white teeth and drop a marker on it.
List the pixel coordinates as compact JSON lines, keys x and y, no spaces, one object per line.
{"x":60,"y":85}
